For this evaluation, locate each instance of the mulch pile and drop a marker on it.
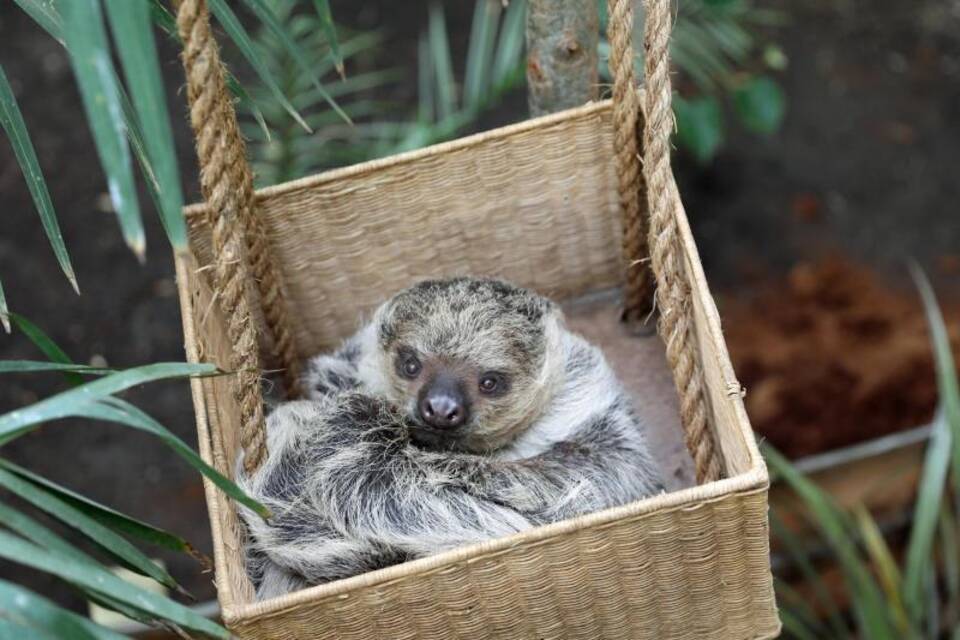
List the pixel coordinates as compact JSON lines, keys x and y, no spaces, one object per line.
{"x":830,"y":356}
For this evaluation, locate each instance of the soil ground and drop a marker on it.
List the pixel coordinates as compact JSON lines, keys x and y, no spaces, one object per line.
{"x":863,"y":167}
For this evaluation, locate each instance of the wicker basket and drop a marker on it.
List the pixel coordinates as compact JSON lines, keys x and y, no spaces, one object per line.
{"x":543,"y":203}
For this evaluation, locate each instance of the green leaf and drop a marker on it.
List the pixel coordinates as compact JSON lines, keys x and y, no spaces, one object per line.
{"x":794,"y":626}
{"x":12,"y":121}
{"x":126,"y":413}
{"x":40,"y":535}
{"x":483,"y":33}
{"x":699,"y":126}
{"x":35,"y":532}
{"x":104,"y":537}
{"x":269,"y":19}
{"x":133,"y":129}
{"x":885,"y":567}
{"x":867,"y":601}
{"x":248,"y":103}
{"x":761,"y":105}
{"x":943,"y":453}
{"x":41,"y":340}
{"x":105,"y":515}
{"x":42,"y":615}
{"x":506,"y":61}
{"x":440,"y":53}
{"x":10,"y":630}
{"x":44,"y":13}
{"x":330,"y":32}
{"x":425,"y":94}
{"x":74,"y":401}
{"x":99,"y":580}
{"x":946,"y":367}
{"x":89,"y":52}
{"x":33,"y":366}
{"x":130,"y":22}
{"x":120,"y":411}
{"x":165,"y":20}
{"x":162,"y":17}
{"x":795,"y":606}
{"x":950,"y":559}
{"x":919,"y":556}
{"x":4,"y":311}
{"x":231,"y":24}
{"x":32,"y":530}
{"x":801,"y":560}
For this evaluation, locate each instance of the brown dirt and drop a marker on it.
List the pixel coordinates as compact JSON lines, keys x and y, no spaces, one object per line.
{"x":830,"y":357}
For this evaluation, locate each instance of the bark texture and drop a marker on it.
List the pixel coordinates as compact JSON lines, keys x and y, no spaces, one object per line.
{"x":562,"y":37}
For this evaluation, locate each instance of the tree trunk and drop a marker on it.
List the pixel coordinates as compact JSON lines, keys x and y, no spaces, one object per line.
{"x":562,"y":37}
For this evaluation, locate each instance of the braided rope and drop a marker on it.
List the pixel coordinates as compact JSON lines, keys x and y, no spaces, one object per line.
{"x":638,"y":285}
{"x":676,"y":324}
{"x":227,"y":186}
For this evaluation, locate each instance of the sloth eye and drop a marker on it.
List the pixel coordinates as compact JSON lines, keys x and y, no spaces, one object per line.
{"x":491,"y":383}
{"x":409,"y":366}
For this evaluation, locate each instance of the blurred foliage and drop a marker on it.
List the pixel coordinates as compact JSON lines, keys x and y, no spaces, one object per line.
{"x":715,"y":47}
{"x":913,"y":596}
{"x":28,"y":542}
{"x":133,"y":117}
{"x":445,"y":106}
{"x":722,"y":59}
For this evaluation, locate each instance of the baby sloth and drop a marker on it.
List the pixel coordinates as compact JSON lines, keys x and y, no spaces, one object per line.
{"x":464,"y":411}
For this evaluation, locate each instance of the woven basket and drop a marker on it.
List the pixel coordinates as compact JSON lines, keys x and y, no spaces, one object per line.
{"x":556,"y":204}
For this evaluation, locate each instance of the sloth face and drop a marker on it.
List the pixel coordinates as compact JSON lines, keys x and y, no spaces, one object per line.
{"x":466,"y":360}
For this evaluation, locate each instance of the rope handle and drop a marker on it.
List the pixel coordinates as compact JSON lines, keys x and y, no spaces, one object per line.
{"x":239,"y":243}
{"x":676,"y":323}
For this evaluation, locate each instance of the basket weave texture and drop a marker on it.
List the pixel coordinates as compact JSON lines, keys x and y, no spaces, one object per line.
{"x":541,"y":203}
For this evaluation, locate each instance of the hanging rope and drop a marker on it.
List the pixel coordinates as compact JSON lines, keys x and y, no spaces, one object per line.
{"x":236,"y":233}
{"x":638,"y":284}
{"x":676,"y":324}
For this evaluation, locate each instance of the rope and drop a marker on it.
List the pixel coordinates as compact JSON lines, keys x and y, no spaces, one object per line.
{"x":676,"y":324}
{"x":638,"y":285}
{"x":236,"y":233}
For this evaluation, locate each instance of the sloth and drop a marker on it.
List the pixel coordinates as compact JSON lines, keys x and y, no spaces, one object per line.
{"x":464,"y":411}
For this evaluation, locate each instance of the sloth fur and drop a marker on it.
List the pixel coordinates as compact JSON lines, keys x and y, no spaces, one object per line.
{"x":356,"y":480}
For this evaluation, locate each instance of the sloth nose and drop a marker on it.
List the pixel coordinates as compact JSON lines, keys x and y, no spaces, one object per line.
{"x":443,"y":409}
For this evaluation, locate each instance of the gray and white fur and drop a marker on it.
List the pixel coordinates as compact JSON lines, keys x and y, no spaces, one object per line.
{"x":463,"y":411}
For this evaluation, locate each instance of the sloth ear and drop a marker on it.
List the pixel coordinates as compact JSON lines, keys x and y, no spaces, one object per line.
{"x":537,"y":308}
{"x":384,"y":321}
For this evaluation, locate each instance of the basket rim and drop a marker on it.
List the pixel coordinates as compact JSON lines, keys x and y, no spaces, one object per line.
{"x":755,"y":480}
{"x":194,"y":212}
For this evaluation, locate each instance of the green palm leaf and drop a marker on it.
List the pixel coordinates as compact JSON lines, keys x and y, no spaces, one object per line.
{"x":231,"y":24}
{"x":330,"y":32}
{"x":12,"y":121}
{"x":103,"y":514}
{"x":104,"y":537}
{"x":122,"y":412}
{"x":97,"y":579}
{"x":942,"y":453}
{"x":44,"y":13}
{"x":116,"y":410}
{"x":130,"y":22}
{"x":89,"y":50}
{"x":868,"y":603}
{"x":443,"y":65}
{"x":32,"y":530}
{"x":269,"y":19}
{"x":4,"y":311}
